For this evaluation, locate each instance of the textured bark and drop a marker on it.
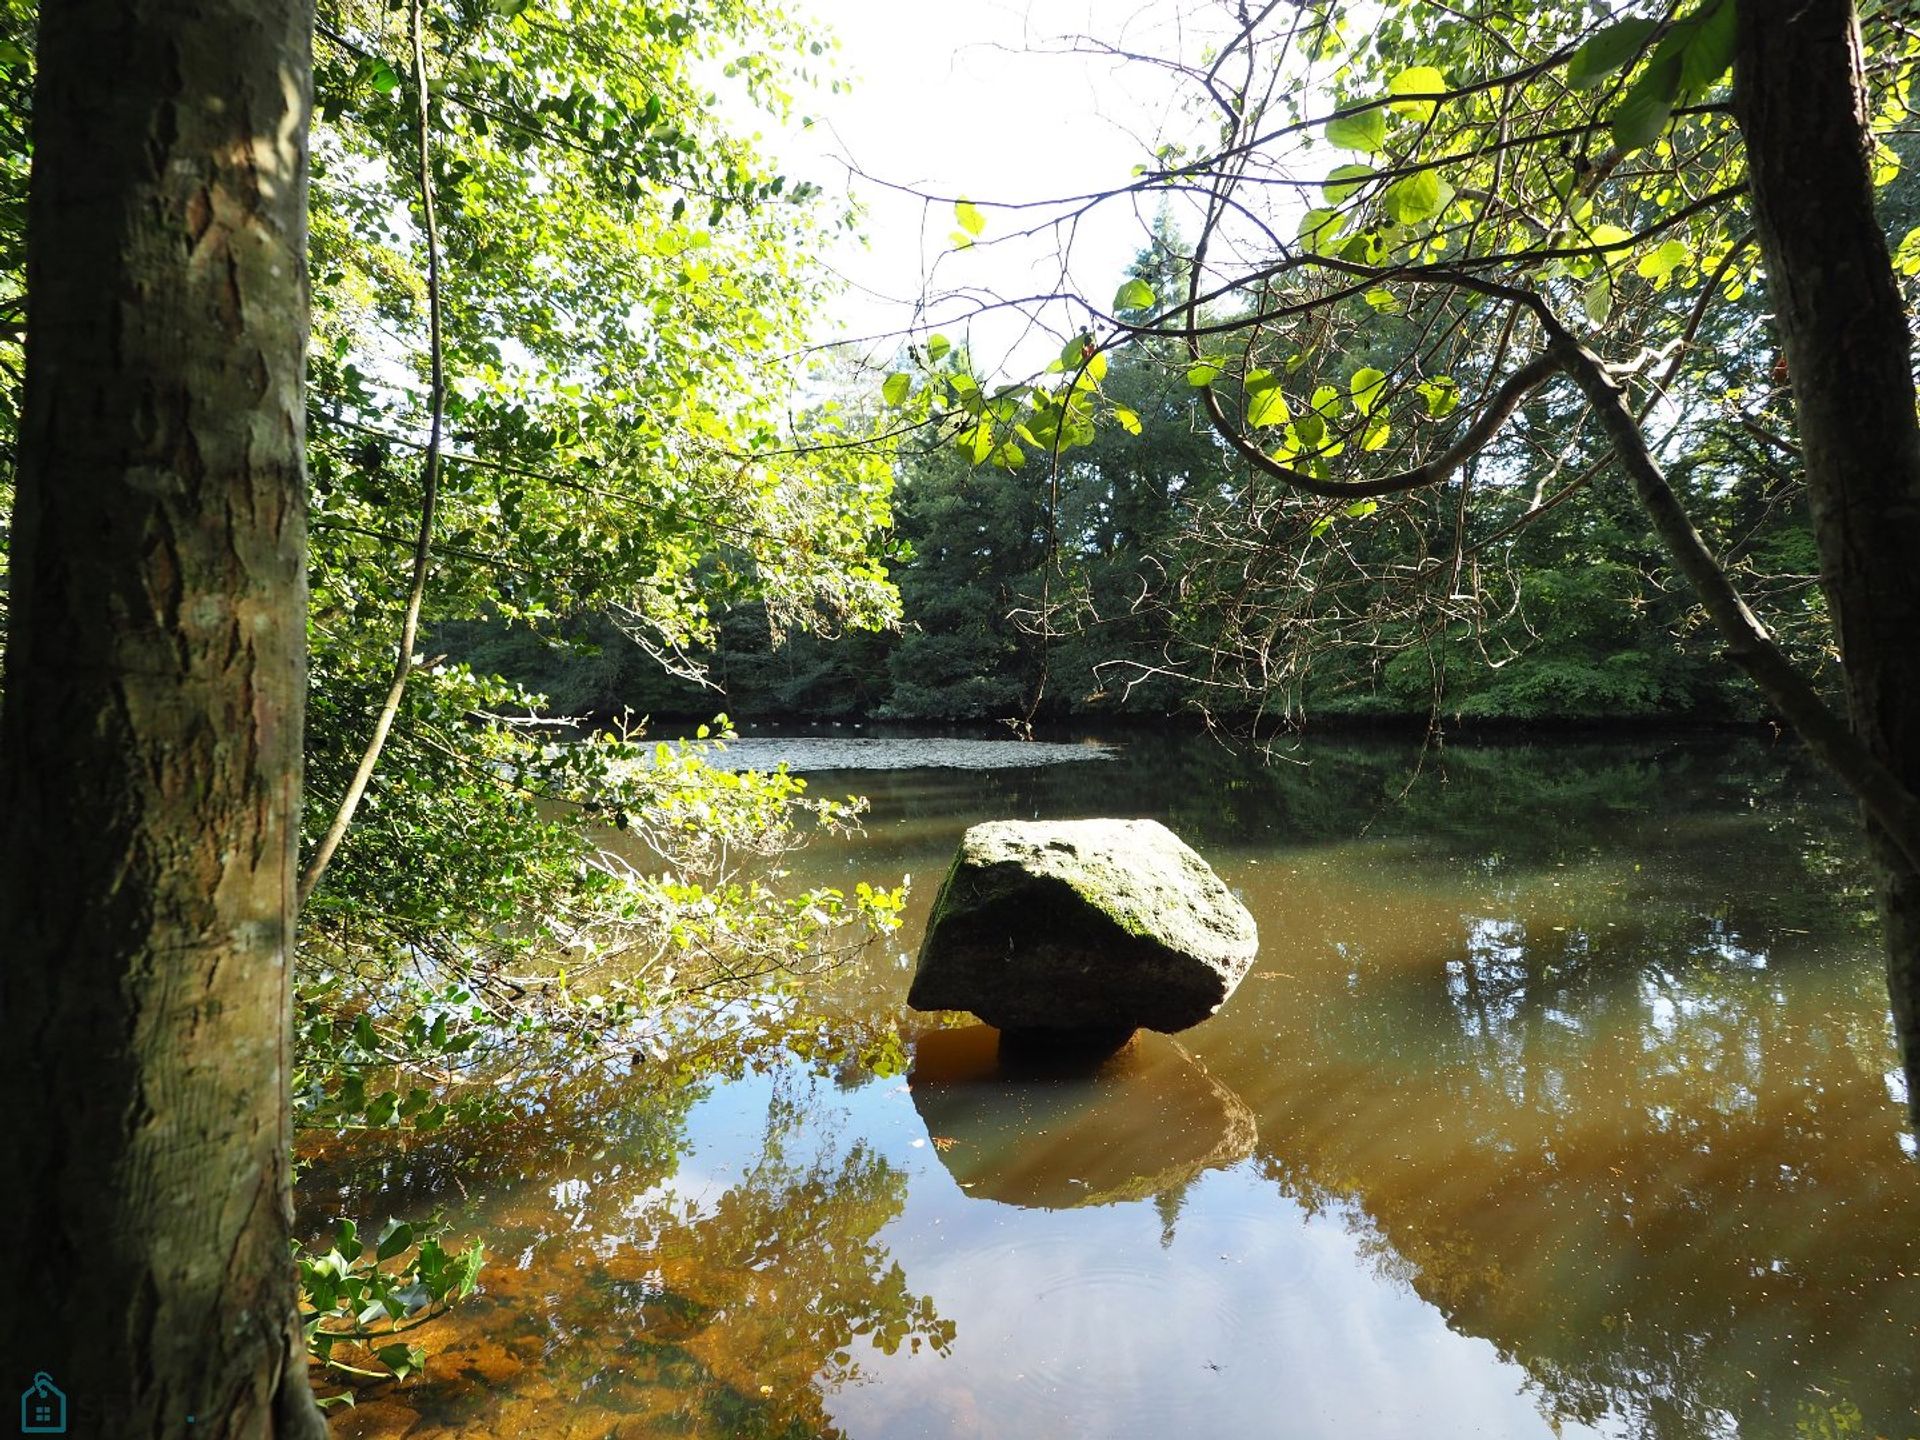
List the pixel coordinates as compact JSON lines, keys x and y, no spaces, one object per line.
{"x":150,"y":746}
{"x":1802,"y":109}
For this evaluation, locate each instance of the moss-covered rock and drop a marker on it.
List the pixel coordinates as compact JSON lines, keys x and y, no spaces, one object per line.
{"x":1082,"y":925}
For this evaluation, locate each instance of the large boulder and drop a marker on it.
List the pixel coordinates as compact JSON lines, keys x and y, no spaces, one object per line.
{"x":1094,"y":927}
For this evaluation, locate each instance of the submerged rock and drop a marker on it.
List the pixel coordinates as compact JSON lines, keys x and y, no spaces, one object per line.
{"x":1096,"y":927}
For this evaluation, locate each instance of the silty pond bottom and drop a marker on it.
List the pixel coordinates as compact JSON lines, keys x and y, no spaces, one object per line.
{"x":1562,"y":1100}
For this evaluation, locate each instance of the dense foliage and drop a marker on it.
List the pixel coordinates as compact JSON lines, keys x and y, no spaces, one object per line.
{"x":608,"y":271}
{"x":1109,"y":587}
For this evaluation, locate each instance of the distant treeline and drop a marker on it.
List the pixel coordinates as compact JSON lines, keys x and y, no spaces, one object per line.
{"x":1146,"y":575}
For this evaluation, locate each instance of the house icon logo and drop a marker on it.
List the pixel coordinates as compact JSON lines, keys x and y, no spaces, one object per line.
{"x":43,"y":1407}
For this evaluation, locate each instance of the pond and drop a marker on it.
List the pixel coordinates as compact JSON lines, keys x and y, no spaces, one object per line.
{"x":1562,"y":1100}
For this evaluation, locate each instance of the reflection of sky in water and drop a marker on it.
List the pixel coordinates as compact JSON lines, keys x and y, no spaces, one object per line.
{"x":1528,"y":1123}
{"x":1086,"y":1322}
{"x":1256,"y":1320}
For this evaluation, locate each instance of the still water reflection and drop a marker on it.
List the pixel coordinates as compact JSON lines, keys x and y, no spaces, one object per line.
{"x":1558,"y":1104}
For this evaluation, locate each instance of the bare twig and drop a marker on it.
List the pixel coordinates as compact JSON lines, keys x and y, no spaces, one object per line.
{"x":429,"y":485}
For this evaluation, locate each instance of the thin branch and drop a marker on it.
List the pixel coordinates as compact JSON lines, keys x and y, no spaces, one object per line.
{"x":429,"y":485}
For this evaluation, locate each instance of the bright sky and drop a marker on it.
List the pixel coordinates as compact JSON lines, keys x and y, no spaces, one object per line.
{"x":982,"y":99}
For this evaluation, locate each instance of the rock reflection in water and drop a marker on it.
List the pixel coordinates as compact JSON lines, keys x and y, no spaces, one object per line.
{"x":1570,"y":1071}
{"x":1023,"y":1129}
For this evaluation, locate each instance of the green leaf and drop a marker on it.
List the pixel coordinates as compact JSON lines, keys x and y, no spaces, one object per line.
{"x":1415,"y":198}
{"x":1907,"y":258}
{"x":1343,"y":182}
{"x":1598,"y":298}
{"x":969,"y":216}
{"x":894,"y":388}
{"x":395,"y":1239}
{"x":1709,"y":50}
{"x":1647,"y":106}
{"x":1607,"y":51}
{"x":1205,"y":372}
{"x":937,"y":348}
{"x":1886,"y":164}
{"x":1660,"y":264}
{"x":402,"y":1359}
{"x":1128,"y":421}
{"x":385,"y":79}
{"x":1376,"y":433}
{"x":1360,"y":509}
{"x":1367,"y":386}
{"x":1266,"y":405}
{"x":1136,"y":294}
{"x":1603,"y":236}
{"x":1319,"y":228}
{"x":1383,"y":300}
{"x":1365,"y":131}
{"x":1442,"y":394}
{"x":1418,"y":80}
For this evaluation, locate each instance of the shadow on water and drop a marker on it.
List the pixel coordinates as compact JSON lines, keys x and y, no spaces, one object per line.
{"x":1558,"y":1103}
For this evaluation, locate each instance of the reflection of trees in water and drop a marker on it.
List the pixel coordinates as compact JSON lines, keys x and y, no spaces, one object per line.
{"x":770,"y":1292}
{"x":1651,"y":1165}
{"x":729,"y":1310}
{"x":1545,"y":1038}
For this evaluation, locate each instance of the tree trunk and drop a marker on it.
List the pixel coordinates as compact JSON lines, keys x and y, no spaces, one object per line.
{"x":1802,"y":107}
{"x":151,"y":740}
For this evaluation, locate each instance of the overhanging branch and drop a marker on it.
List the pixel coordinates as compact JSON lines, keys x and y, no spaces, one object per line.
{"x":1494,"y":414}
{"x":1826,"y":731}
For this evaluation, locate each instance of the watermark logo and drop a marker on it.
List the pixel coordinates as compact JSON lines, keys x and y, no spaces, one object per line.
{"x":43,"y":1407}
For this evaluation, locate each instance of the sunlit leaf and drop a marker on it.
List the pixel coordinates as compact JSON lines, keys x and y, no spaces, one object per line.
{"x":1366,"y":387}
{"x":1343,"y":182}
{"x":1365,"y":131}
{"x":1266,"y":405}
{"x":1415,"y":198}
{"x":1319,"y":228}
{"x":1418,"y":80}
{"x":1442,"y":395}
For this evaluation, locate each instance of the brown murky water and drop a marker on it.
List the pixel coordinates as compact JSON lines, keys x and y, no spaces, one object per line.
{"x":1561,"y":1102}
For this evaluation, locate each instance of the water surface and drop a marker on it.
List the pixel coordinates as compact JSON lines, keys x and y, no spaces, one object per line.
{"x":1561,"y":1101}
